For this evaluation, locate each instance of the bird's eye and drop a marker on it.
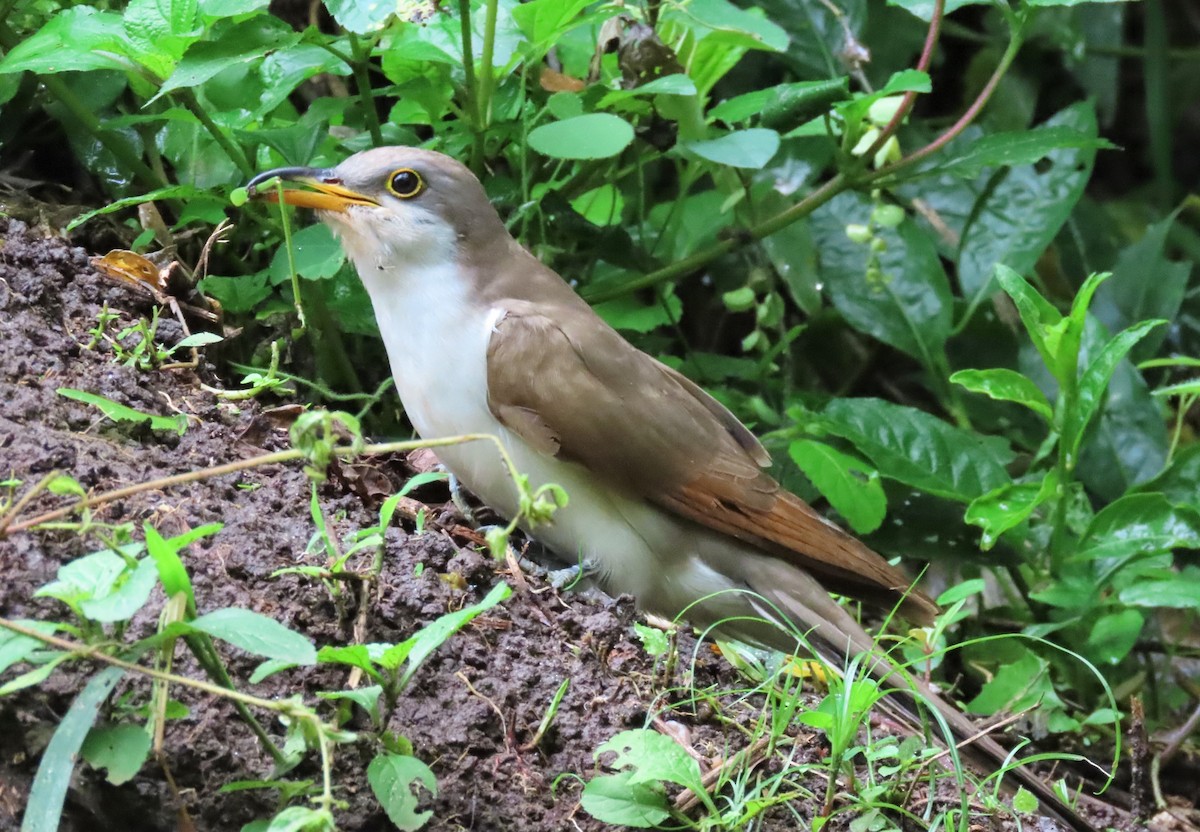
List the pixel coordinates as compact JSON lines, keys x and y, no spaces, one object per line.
{"x":406,"y":183}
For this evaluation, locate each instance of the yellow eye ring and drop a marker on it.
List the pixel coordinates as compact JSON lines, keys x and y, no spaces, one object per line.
{"x":405,"y":183}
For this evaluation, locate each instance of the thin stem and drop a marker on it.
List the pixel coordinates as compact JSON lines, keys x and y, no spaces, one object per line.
{"x":487,"y":74}
{"x":472,"y":91}
{"x":362,"y":80}
{"x":1010,"y":54}
{"x":910,"y":97}
{"x":254,"y":462}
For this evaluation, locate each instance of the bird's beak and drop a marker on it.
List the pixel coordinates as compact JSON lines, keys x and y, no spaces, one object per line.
{"x":324,"y":189}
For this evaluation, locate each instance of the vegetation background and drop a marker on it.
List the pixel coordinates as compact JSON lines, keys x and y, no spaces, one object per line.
{"x":940,"y":255}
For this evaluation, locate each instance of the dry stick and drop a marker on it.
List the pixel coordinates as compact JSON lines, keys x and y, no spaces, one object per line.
{"x":751,"y":756}
{"x":246,"y":464}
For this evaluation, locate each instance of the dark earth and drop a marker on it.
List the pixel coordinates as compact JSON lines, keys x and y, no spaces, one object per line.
{"x":471,"y":710}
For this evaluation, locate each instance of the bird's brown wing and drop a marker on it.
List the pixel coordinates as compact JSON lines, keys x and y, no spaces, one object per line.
{"x":574,"y":388}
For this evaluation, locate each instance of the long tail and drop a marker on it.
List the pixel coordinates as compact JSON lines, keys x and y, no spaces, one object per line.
{"x":834,"y":633}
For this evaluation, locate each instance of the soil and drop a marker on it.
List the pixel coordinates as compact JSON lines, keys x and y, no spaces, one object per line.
{"x":472,"y":710}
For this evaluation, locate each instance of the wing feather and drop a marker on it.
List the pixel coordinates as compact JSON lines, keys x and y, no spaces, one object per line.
{"x":574,"y":388}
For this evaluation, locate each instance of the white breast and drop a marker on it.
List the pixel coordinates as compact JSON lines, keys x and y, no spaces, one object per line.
{"x":437,"y":341}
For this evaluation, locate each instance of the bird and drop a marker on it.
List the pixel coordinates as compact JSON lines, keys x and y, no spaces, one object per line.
{"x":669,"y":499}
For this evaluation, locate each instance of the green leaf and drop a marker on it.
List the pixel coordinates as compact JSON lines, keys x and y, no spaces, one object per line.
{"x":1042,"y":321}
{"x":1180,"y":482}
{"x":851,"y":486}
{"x":231,"y":44}
{"x":256,"y":634}
{"x":592,"y":136}
{"x":118,"y":749}
{"x":1024,"y":801}
{"x":1179,"y":591}
{"x":667,"y":85}
{"x":906,"y":302}
{"x":543,"y":21}
{"x":366,"y":698}
{"x":1093,"y":384}
{"x":725,"y":24}
{"x":238,"y":294}
{"x":120,"y":413}
{"x":920,"y":450}
{"x":615,"y":799}
{"x":631,"y":314}
{"x":76,"y":39}
{"x":1144,"y":285}
{"x":316,"y":252}
{"x":782,"y":106}
{"x":1020,"y":210}
{"x":161,"y":31}
{"x":1009,"y":505}
{"x":654,"y":757}
{"x":1113,"y":636}
{"x":601,"y":206}
{"x":132,"y":594}
{"x":92,"y":576}
{"x":1014,"y":686}
{"x":15,"y":647}
{"x":1017,"y":148}
{"x":751,"y":148}
{"x":1005,"y":385}
{"x":1139,"y":524}
{"x":394,"y":779}
{"x":43,"y":811}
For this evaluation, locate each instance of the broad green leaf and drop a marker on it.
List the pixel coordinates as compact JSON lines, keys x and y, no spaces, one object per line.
{"x":1180,"y":482}
{"x":1093,"y":384}
{"x":366,"y":698}
{"x":601,"y":206}
{"x":751,"y":148}
{"x":43,"y":810}
{"x":543,"y":20}
{"x":851,"y":486}
{"x":1140,"y":524}
{"x":257,"y":634}
{"x":118,"y":749}
{"x":121,"y":413}
{"x":359,"y":17}
{"x":355,"y":655}
{"x":1009,"y":505}
{"x":631,"y":314}
{"x":91,"y":576}
{"x":907,"y":302}
{"x":315,"y":251}
{"x":726,"y":24}
{"x":231,"y":44}
{"x":615,"y":799}
{"x":920,"y":450}
{"x":1177,"y":591}
{"x":1015,"y":686}
{"x":238,"y":294}
{"x":1016,"y":148}
{"x":591,"y":136}
{"x":1113,"y":636}
{"x":76,"y":39}
{"x":654,"y":757}
{"x":394,"y":780}
{"x":1144,"y":285}
{"x":161,"y":31}
{"x":127,"y":599}
{"x":1005,"y":385}
{"x":1020,"y":210}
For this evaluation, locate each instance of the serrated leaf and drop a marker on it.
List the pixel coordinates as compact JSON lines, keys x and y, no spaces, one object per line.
{"x":77,"y":39}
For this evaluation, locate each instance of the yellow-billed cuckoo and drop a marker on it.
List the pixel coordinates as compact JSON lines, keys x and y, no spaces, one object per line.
{"x":668,"y":498}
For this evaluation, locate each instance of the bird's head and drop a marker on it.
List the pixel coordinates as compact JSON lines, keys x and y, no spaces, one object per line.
{"x":392,"y":203}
